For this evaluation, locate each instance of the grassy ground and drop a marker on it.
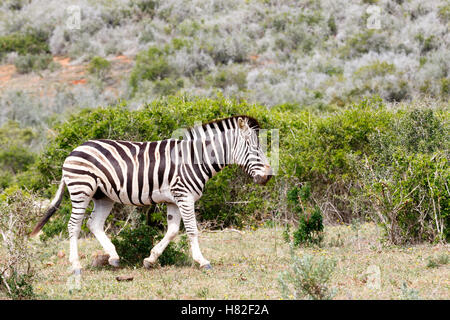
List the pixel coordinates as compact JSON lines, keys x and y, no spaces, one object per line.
{"x":247,"y":265}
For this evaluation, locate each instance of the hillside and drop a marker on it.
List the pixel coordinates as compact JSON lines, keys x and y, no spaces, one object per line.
{"x":308,"y":53}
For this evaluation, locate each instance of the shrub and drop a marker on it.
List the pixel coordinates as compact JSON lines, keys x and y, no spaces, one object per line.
{"x":15,"y":154}
{"x":322,"y":147}
{"x":435,"y":262}
{"x":426,"y":43}
{"x":375,"y":69}
{"x":308,"y":278}
{"x":364,"y":42}
{"x":310,"y":226}
{"x":445,"y":87}
{"x":167,"y":86}
{"x":99,"y":67}
{"x":229,"y":77}
{"x":133,"y":245}
{"x":16,"y":159}
{"x":31,"y":62}
{"x":31,"y":42}
{"x":18,"y":211}
{"x":150,"y":65}
{"x":147,"y":6}
{"x":15,"y":142}
{"x":409,"y":293}
{"x":406,"y":178}
{"x":332,"y":25}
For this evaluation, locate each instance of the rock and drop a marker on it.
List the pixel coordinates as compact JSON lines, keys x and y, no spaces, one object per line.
{"x":97,"y":253}
{"x":61,"y":254}
{"x":124,"y":278}
{"x":100,"y":260}
{"x":49,"y":264}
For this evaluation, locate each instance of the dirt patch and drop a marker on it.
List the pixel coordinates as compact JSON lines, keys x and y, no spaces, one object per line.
{"x":67,"y":74}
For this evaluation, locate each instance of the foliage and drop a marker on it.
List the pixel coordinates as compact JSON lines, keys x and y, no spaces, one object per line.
{"x":15,"y":154}
{"x":435,"y":262}
{"x":308,"y":278}
{"x":406,"y":178}
{"x":409,"y":293}
{"x":30,"y":42}
{"x":281,"y":47}
{"x":310,"y":225}
{"x":31,"y":62}
{"x":99,"y":67}
{"x":133,"y":245}
{"x":18,"y":210}
{"x":150,"y":65}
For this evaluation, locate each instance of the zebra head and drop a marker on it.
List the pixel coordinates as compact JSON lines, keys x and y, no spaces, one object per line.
{"x":248,"y":152}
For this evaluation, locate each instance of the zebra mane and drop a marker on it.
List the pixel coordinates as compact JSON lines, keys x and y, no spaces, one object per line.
{"x":252,"y":123}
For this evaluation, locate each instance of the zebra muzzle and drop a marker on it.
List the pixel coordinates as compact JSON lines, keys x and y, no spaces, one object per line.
{"x":263,"y":179}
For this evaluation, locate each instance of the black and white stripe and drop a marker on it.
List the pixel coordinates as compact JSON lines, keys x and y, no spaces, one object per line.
{"x":171,"y":171}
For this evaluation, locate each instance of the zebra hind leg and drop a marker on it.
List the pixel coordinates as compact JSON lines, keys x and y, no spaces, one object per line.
{"x":96,"y":222}
{"x":173,"y":226}
{"x":74,"y":227}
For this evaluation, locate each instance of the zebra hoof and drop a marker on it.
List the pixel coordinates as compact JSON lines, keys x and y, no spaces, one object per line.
{"x":207,"y":267}
{"x":114,"y":262}
{"x":148,"y":264}
{"x":77,"y":272}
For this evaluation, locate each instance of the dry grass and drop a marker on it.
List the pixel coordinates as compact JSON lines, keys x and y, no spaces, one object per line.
{"x":247,"y":266}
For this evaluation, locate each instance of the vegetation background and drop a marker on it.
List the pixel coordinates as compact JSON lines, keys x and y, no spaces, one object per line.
{"x":362,"y":115}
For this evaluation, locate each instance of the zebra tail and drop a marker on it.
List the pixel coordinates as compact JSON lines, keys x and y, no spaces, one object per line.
{"x":53,"y":207}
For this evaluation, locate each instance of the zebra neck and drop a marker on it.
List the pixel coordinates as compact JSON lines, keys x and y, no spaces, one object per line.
{"x":219,"y":141}
{"x":218,"y":150}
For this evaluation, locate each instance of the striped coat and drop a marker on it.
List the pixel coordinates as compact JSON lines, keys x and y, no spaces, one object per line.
{"x":142,"y":173}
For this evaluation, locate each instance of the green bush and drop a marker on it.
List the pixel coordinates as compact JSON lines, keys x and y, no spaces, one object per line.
{"x":436,"y":262}
{"x":310,"y":225}
{"x":229,"y":77}
{"x":405,"y":178}
{"x":18,"y":212}
{"x":308,"y":278}
{"x":99,"y":67}
{"x":30,"y":42}
{"x":150,"y":65}
{"x":16,"y":158}
{"x":363,"y":42}
{"x":167,"y":86}
{"x":15,"y":154}
{"x":133,"y":245}
{"x":320,"y":153}
{"x":32,"y":62}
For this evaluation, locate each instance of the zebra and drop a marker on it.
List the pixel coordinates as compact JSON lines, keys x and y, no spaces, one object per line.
{"x":171,"y":171}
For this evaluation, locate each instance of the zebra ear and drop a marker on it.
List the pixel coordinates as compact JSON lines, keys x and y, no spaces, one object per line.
{"x":242,"y":124}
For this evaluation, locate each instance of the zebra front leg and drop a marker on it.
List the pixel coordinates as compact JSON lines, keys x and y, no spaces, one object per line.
{"x":187,"y":210}
{"x":96,"y":222}
{"x":173,"y":226}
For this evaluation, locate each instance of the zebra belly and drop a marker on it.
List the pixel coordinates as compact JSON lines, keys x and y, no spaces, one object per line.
{"x":164,"y":195}
{"x":158,"y":196}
